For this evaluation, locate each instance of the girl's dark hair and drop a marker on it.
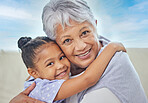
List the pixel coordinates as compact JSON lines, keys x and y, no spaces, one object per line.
{"x":29,"y":46}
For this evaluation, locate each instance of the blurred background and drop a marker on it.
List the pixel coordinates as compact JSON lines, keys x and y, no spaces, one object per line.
{"x":118,"y":20}
{"x":125,"y":21}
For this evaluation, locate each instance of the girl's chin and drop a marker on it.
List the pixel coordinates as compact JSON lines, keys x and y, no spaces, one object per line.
{"x":66,"y":78}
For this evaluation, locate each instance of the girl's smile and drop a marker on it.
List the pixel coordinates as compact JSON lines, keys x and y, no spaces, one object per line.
{"x":51,"y":63}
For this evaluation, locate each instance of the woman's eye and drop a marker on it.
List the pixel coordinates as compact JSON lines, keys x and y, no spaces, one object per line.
{"x":62,"y":57}
{"x":85,"y":32}
{"x":49,"y":64}
{"x":67,"y":41}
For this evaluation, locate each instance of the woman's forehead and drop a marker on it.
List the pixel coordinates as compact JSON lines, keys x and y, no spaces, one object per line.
{"x":60,"y":31}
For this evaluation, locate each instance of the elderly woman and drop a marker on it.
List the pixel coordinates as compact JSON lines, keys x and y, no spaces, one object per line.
{"x":74,"y":28}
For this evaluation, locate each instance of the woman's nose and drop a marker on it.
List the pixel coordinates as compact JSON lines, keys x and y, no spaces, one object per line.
{"x":80,"y":45}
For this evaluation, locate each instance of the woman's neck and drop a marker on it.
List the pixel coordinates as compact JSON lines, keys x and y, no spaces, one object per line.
{"x":76,"y":70}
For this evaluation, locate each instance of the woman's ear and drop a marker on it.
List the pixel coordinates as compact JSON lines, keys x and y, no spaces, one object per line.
{"x":33,"y":72}
{"x":96,"y":22}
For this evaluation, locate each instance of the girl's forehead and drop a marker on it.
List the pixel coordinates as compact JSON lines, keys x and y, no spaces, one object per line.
{"x":48,"y":50}
{"x":44,"y":46}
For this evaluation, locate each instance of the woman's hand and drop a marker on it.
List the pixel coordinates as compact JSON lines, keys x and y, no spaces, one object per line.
{"x":23,"y":96}
{"x":117,"y":46}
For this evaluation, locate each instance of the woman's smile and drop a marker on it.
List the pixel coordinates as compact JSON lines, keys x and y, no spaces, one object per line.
{"x":84,"y":55}
{"x":78,"y":42}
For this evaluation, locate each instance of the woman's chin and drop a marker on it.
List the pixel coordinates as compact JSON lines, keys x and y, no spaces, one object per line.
{"x":84,"y":64}
{"x":84,"y":61}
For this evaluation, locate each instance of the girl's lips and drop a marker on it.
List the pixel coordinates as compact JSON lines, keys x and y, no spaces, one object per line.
{"x":62,"y":74}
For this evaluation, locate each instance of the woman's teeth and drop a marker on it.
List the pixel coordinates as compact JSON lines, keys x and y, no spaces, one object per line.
{"x":84,"y":54}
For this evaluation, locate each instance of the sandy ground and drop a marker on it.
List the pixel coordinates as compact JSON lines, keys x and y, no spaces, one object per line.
{"x":13,"y":72}
{"x":139,"y":58}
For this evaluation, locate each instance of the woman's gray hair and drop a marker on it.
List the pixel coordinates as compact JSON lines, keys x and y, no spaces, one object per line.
{"x":61,"y":11}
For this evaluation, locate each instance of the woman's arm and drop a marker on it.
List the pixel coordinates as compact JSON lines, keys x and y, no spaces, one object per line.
{"x":92,"y":73}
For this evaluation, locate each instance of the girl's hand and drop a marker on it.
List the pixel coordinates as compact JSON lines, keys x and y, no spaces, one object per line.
{"x":117,"y":46}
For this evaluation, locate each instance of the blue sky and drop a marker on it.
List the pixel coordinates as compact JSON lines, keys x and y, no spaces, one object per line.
{"x":118,"y":20}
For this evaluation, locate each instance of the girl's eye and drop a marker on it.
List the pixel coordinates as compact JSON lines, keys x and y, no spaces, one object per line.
{"x":62,"y":57}
{"x":49,"y":64}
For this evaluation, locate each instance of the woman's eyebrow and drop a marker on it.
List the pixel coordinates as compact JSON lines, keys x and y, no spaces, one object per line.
{"x":83,"y":28}
{"x":65,"y":36}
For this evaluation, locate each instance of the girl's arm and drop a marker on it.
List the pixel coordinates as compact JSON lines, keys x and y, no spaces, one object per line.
{"x":91,"y":75}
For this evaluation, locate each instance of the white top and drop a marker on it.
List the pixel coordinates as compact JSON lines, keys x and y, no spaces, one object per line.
{"x":121,"y":78}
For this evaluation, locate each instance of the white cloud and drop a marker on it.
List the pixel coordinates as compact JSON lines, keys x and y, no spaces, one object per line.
{"x":129,"y":25}
{"x":12,"y":12}
{"x":131,"y":32}
{"x":142,"y":7}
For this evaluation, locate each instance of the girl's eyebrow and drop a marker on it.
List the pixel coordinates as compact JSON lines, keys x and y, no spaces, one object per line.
{"x":52,"y":58}
{"x":48,"y":60}
{"x":60,"y":54}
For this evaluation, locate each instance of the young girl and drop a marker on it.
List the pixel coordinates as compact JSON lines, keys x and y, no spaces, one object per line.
{"x":50,"y":69}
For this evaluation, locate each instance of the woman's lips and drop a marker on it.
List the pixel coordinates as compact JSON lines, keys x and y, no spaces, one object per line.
{"x":84,"y":55}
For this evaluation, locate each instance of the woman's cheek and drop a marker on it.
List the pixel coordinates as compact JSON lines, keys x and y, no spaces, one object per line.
{"x":67,"y":50}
